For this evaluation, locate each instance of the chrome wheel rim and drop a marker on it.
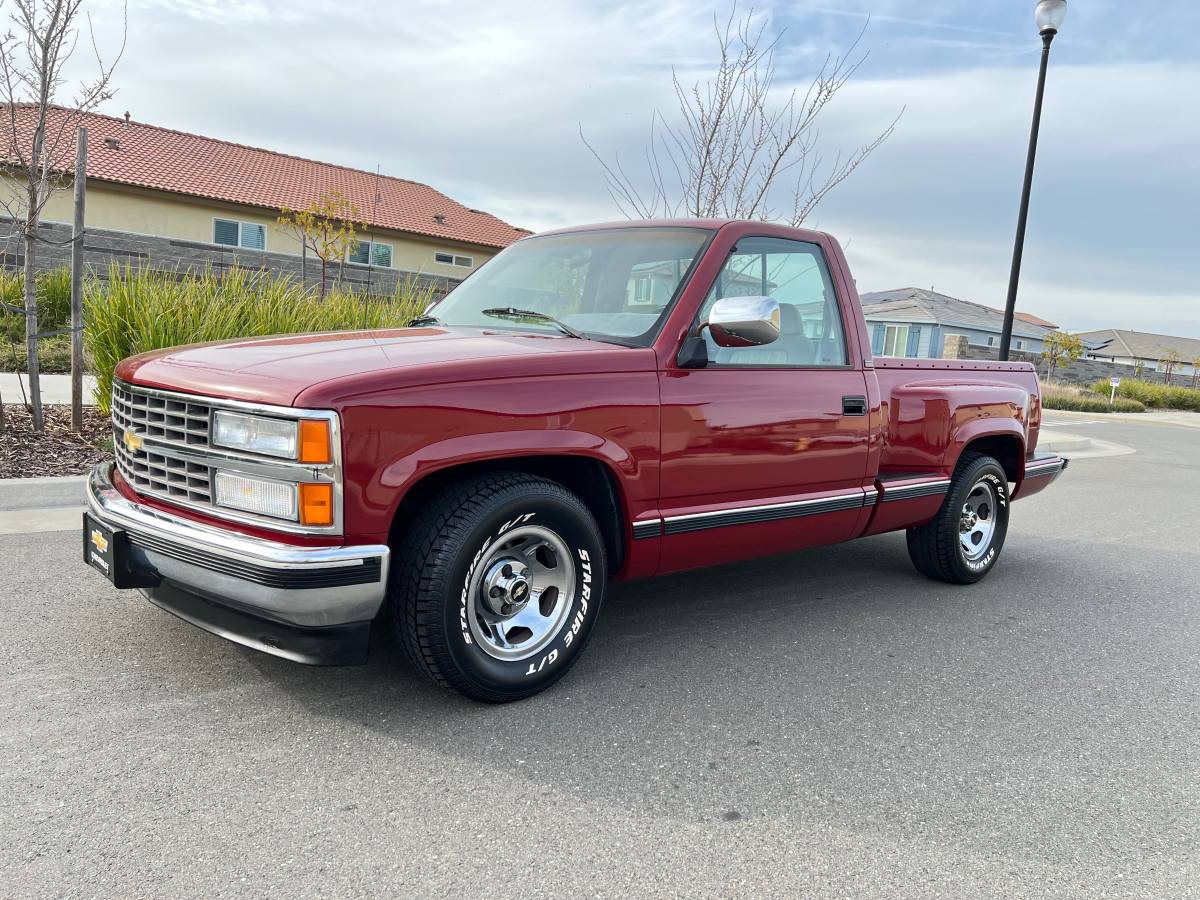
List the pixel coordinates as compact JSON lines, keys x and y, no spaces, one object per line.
{"x":520,"y":593}
{"x":977,"y":524}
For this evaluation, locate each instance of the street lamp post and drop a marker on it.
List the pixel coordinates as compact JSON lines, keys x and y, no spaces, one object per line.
{"x":1049,"y":17}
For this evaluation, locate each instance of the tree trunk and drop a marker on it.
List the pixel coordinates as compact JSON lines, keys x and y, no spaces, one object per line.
{"x":77,"y":283}
{"x":31,"y":325}
{"x":324,"y":270}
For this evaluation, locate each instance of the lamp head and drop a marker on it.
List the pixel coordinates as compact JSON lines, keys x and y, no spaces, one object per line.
{"x":1049,"y":15}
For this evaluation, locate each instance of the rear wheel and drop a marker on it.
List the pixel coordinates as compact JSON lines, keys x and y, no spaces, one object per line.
{"x":497,"y":584}
{"x":962,"y":542}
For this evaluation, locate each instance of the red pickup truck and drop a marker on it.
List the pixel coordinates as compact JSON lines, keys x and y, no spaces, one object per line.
{"x":610,"y":402}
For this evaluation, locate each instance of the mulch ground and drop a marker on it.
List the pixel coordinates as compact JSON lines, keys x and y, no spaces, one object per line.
{"x":57,"y":451}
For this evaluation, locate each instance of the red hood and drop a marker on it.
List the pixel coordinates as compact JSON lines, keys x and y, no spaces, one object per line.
{"x":322,"y":366}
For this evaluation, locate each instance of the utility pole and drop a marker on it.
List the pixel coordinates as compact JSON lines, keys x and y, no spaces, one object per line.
{"x":77,"y":283}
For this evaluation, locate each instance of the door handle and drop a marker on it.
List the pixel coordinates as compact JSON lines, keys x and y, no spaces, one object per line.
{"x":854,"y":406}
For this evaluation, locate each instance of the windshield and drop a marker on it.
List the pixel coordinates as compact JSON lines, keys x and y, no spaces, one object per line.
{"x":611,"y":285}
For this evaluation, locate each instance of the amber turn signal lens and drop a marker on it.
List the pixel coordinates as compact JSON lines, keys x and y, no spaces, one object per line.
{"x":316,"y":504}
{"x":314,"y":441}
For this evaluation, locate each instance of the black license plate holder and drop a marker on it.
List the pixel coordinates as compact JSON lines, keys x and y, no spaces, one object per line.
{"x":106,"y":550}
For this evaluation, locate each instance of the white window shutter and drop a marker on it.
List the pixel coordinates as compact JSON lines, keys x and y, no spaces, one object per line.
{"x":254,"y":237}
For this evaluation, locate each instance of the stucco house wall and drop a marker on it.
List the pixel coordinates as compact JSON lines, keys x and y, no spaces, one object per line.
{"x":175,"y":232}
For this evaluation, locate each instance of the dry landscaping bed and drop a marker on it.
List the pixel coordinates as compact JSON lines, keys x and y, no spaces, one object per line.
{"x":57,"y":451}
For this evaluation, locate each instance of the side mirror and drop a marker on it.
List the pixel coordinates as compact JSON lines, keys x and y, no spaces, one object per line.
{"x":743,"y":321}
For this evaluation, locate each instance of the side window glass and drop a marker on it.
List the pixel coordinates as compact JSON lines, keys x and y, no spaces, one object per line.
{"x":792,"y":273}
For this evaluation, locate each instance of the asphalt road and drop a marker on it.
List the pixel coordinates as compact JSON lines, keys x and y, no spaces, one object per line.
{"x":823,"y":724}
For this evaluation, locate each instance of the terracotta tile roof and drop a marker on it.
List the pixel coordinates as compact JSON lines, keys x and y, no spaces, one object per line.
{"x":174,"y":161}
{"x":1034,"y":320}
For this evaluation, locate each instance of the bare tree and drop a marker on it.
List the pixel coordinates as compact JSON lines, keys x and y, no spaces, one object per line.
{"x":737,"y":141}
{"x":39,"y":131}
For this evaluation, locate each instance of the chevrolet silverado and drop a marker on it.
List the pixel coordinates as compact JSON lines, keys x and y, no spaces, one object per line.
{"x":593,"y":404}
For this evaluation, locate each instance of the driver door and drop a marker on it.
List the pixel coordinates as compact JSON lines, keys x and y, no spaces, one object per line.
{"x":764,"y":450}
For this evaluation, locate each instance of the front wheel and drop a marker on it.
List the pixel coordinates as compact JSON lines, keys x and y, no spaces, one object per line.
{"x":497,"y":585}
{"x":962,"y":542}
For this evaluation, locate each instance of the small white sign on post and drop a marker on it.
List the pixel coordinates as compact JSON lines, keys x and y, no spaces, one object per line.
{"x":1116,"y":383}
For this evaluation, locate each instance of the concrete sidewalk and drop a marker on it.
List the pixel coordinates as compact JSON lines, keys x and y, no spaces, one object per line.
{"x":55,"y":388}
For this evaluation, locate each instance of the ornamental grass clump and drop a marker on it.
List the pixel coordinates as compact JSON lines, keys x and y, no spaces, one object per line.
{"x":1059,"y":396}
{"x":1156,"y":396}
{"x":135,"y":311}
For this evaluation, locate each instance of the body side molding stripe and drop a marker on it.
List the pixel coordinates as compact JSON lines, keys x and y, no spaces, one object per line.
{"x":647,"y":529}
{"x":914,"y":490}
{"x":750,"y":515}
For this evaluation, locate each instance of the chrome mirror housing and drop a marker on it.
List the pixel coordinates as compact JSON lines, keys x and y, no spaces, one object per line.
{"x":743,"y":321}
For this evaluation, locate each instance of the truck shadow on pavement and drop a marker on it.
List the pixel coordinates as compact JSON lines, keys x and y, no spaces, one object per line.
{"x":712,"y":695}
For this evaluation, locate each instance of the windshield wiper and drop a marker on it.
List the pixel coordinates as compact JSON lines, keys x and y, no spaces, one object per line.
{"x":508,"y":312}
{"x":424,"y":320}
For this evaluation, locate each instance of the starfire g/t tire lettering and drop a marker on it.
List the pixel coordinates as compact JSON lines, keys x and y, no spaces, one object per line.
{"x":500,"y":582}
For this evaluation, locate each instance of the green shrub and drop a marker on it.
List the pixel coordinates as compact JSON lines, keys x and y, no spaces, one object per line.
{"x":13,"y":323}
{"x":1156,"y":396}
{"x":54,"y":354}
{"x":1055,"y":397}
{"x":53,"y":296}
{"x":137,"y":311}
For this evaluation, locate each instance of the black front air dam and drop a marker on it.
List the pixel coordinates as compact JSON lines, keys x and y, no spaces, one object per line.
{"x":330,"y":645}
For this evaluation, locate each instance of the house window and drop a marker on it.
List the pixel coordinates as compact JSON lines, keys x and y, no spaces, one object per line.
{"x":231,"y":233}
{"x":372,"y":253}
{"x":453,"y":259}
{"x":895,"y":341}
{"x":1020,"y":345}
{"x":991,"y":340}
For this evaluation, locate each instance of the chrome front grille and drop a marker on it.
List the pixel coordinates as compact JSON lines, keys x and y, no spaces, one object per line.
{"x":174,"y":421}
{"x":162,"y":418}
{"x":164,"y":476}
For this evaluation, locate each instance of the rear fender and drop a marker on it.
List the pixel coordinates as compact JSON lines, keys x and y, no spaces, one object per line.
{"x":930,"y":423}
{"x":979,"y":429}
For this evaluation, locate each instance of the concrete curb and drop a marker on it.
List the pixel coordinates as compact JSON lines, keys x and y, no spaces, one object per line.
{"x":1062,"y":442}
{"x":41,"y":493}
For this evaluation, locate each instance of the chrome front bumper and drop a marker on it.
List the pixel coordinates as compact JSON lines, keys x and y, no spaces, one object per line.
{"x":251,"y":590}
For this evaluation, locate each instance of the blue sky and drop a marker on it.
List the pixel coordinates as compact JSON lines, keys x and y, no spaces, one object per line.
{"x":485,"y":102}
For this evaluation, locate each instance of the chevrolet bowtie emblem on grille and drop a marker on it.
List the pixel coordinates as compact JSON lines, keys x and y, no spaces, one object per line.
{"x":99,"y":541}
{"x":132,"y":440}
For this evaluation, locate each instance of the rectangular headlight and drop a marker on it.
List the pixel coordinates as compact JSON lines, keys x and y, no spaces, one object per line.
{"x":256,"y":495}
{"x":256,"y":434}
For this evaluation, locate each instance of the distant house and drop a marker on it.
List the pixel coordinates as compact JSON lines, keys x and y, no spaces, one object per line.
{"x":171,"y":200}
{"x":1141,"y":349}
{"x":915,"y":322}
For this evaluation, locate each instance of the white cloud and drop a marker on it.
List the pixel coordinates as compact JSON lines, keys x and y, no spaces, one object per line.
{"x":485,"y":100}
